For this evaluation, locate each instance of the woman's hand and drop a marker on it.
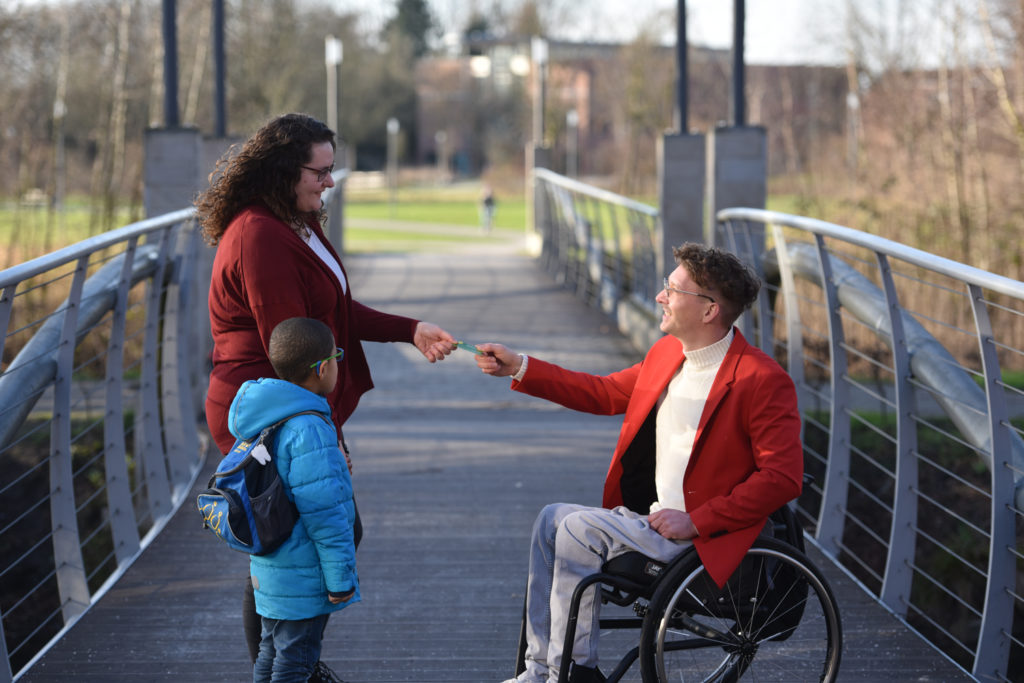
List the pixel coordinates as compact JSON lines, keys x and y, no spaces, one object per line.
{"x":432,"y":341}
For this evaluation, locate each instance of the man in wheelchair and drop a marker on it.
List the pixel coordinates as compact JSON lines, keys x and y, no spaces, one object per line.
{"x":709,"y":448}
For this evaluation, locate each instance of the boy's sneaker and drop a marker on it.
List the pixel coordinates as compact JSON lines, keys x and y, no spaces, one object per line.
{"x":323,"y":674}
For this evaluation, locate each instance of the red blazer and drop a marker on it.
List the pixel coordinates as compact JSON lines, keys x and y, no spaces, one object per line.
{"x":747,"y":458}
{"x":264,"y":273}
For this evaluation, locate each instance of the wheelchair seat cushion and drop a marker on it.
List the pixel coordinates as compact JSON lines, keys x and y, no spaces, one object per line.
{"x":635,"y":566}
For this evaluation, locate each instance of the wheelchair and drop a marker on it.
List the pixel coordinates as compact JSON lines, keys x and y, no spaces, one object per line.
{"x":776,"y":619}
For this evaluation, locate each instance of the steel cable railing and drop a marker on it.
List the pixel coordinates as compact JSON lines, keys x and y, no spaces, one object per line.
{"x":104,"y":367}
{"x":909,"y":375}
{"x":98,"y":437}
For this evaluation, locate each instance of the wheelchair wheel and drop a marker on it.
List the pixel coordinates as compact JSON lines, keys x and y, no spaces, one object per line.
{"x":775,"y":620}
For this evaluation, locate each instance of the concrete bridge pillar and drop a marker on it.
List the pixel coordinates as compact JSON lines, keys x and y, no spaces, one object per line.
{"x":176,"y":166}
{"x":737,"y":174}
{"x":681,"y":169}
{"x":537,"y":156}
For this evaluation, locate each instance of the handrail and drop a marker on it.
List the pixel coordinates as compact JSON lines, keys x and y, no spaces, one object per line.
{"x":915,"y":522}
{"x":108,"y":335}
{"x":902,"y":362}
{"x":604,"y":247}
{"x":98,"y":413}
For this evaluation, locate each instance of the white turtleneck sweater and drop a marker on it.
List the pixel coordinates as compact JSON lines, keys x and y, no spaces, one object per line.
{"x":679,"y":412}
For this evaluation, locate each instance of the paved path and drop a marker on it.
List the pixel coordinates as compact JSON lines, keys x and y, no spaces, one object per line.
{"x":450,"y":470}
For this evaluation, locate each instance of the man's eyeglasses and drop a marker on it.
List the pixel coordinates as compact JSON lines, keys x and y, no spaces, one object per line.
{"x":670,"y":288}
{"x":339,"y":355}
{"x":321,"y":173}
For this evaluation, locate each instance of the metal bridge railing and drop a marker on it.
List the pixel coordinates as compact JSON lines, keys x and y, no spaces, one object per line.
{"x":909,"y":371}
{"x":603,"y":247}
{"x":98,"y":405}
{"x":104,"y":369}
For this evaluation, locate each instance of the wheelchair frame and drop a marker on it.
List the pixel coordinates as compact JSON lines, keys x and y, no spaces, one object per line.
{"x":762,"y":604}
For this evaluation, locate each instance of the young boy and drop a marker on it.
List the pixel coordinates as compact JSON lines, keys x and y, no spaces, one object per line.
{"x":314,"y":572}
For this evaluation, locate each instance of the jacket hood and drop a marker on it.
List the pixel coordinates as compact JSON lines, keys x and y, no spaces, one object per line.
{"x":262,"y":402}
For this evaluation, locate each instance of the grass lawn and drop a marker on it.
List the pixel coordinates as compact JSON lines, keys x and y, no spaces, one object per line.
{"x":510,"y":213}
{"x":27,"y":232}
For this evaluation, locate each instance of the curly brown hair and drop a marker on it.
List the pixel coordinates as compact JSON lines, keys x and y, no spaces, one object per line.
{"x":734,"y":284}
{"x":265,"y":169}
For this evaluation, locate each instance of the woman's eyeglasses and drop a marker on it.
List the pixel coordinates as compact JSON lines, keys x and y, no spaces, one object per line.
{"x":339,"y":355}
{"x":321,"y":173}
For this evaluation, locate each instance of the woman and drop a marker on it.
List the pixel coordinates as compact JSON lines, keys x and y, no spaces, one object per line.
{"x":264,"y":213}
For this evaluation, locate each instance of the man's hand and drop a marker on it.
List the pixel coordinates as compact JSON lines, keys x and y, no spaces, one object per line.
{"x":672,"y":524}
{"x":432,"y":341}
{"x":498,"y":360}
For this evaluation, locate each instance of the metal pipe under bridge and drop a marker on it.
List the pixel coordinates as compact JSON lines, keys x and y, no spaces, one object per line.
{"x":912,"y":513}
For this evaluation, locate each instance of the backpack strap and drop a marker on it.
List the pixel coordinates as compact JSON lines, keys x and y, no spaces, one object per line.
{"x":268,"y":430}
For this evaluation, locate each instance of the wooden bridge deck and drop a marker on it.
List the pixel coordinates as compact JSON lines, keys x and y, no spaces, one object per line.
{"x":450,"y":469}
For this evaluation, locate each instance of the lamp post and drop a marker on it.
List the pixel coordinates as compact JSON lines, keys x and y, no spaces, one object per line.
{"x":393,"y":128}
{"x":220,"y":70}
{"x":170,"y":35}
{"x":332,"y":59}
{"x":572,"y":148}
{"x":441,"y":143}
{"x":539,"y":51}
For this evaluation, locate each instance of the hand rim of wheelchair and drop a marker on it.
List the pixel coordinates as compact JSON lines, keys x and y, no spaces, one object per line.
{"x":738,"y":646}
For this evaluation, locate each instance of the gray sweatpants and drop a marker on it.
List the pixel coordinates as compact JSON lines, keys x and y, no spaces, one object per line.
{"x":569,"y":543}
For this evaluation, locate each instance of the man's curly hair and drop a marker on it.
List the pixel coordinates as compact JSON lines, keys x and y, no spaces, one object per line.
{"x":733,"y":284}
{"x":265,"y":169}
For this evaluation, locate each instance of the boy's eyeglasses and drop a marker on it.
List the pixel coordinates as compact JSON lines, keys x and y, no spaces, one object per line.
{"x":339,"y":355}
{"x":670,"y":288}
{"x":321,"y":173}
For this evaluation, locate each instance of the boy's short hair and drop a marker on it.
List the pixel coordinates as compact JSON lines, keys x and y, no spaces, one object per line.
{"x":734,"y":284}
{"x":296,"y":344}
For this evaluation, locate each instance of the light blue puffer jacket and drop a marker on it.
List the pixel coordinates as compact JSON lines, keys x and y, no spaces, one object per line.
{"x":293,"y":581}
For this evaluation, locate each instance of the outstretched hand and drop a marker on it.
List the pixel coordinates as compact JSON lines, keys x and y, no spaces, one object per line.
{"x":432,"y":341}
{"x":498,"y":360}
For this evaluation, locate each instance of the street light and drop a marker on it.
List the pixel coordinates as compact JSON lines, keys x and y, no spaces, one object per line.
{"x":393,"y":128}
{"x":441,"y":143}
{"x":572,"y":150}
{"x":539,"y":51}
{"x":332,"y":59}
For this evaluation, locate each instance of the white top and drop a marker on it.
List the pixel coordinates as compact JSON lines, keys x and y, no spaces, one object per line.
{"x":679,"y":412}
{"x":320,"y":250}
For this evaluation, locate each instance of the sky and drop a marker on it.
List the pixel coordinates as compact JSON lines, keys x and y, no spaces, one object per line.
{"x":777,"y":31}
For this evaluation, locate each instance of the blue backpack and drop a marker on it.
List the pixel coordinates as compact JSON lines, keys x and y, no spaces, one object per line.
{"x":245,"y":504}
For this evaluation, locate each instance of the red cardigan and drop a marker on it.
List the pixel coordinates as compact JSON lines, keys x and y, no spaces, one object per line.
{"x":264,"y":273}
{"x":747,"y":457}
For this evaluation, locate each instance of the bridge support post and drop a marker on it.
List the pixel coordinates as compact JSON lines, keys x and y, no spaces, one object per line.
{"x":681,"y":168}
{"x":176,"y":165}
{"x":537,"y":156}
{"x":171,"y":169}
{"x":737,"y":175}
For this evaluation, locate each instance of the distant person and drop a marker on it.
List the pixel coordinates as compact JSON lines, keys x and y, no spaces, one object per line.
{"x":264,"y":213}
{"x":313,"y":573}
{"x":709,"y":448}
{"x":487,"y":209}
